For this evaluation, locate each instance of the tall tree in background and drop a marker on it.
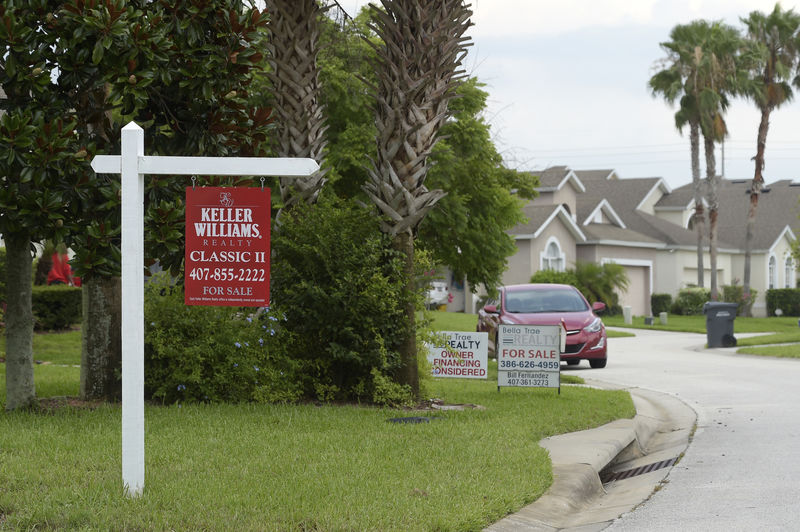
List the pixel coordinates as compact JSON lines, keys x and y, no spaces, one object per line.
{"x":678,"y":81}
{"x":107,"y":55}
{"x":467,"y":229}
{"x":346,"y":63}
{"x":719,"y":78}
{"x":422,"y":46}
{"x":39,"y":156}
{"x":178,"y":69}
{"x":773,"y":45}
{"x":294,"y":73}
{"x":701,"y":70}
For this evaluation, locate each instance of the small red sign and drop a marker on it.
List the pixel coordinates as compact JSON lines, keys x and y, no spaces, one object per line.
{"x":227,"y":246}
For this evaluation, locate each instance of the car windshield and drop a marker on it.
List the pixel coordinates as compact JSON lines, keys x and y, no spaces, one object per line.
{"x":544,"y":300}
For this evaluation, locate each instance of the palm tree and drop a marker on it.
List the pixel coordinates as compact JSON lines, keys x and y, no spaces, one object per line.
{"x":699,"y":69}
{"x":422,"y":45}
{"x":677,"y":80}
{"x":773,"y":46}
{"x":720,"y":77}
{"x":294,"y":74}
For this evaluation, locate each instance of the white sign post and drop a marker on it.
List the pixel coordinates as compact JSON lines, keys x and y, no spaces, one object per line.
{"x":529,"y":355}
{"x":133,"y":164}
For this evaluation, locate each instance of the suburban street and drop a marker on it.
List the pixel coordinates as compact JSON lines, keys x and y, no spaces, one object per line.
{"x":741,"y":470}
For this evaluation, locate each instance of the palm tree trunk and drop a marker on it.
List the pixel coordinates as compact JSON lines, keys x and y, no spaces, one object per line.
{"x":20,"y":389}
{"x":755,"y":191}
{"x":699,"y":212}
{"x":713,"y":211}
{"x":409,"y":371}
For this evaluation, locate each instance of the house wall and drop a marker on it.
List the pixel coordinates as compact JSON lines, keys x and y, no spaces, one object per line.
{"x":639,"y":264}
{"x":527,"y":261}
{"x":519,"y":264}
{"x":758,"y":279}
{"x":684,"y":272}
{"x":564,"y":196}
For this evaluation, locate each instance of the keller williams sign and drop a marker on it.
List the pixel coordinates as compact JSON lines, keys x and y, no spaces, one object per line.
{"x":227,"y":246}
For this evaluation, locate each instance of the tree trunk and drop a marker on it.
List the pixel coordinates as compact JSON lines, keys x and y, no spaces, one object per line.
{"x":20,"y":389}
{"x":713,"y":210}
{"x":409,"y":371}
{"x":101,"y":352}
{"x":755,"y":190}
{"x":699,"y":212}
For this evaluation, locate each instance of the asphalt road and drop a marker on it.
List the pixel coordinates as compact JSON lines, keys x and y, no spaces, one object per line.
{"x":742,"y":468}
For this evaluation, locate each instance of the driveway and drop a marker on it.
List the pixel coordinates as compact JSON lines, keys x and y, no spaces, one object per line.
{"x":741,"y":471}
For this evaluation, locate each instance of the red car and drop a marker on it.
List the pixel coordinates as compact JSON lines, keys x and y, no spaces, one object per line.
{"x":548,"y":304}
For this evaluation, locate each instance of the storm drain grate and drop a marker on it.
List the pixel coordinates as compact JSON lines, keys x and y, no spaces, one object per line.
{"x":636,"y":471}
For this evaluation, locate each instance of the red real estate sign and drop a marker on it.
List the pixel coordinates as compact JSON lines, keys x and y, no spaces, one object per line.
{"x":227,"y":246}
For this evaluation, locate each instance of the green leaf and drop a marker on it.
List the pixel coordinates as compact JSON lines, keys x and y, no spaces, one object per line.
{"x":97,"y":54}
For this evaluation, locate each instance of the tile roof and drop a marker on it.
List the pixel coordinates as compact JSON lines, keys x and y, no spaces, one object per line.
{"x":778,"y":207}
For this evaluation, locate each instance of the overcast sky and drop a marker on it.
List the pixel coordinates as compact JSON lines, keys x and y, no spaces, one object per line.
{"x":567,"y":84}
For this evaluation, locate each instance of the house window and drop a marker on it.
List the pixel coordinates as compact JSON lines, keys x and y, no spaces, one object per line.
{"x":788,"y":272}
{"x":772,"y":272}
{"x":552,"y":258}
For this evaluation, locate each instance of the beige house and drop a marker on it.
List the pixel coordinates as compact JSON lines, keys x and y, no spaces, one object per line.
{"x":646,"y":227}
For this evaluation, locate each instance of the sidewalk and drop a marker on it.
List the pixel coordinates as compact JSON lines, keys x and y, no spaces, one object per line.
{"x":631,"y":456}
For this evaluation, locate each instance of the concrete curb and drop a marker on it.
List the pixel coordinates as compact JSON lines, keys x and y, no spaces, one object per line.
{"x":577,"y":499}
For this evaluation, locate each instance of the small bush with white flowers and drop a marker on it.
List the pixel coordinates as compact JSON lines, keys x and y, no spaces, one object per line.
{"x":212,"y":354}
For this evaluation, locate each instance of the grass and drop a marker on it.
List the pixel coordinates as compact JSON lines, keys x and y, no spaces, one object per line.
{"x":55,"y":348}
{"x":775,"y":330}
{"x":289,"y":467}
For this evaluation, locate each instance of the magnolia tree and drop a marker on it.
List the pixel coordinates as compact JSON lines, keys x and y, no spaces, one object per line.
{"x":39,"y":154}
{"x":75,"y":72}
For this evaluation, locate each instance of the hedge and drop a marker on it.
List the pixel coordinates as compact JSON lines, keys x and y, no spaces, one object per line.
{"x":56,"y":307}
{"x":786,"y":299}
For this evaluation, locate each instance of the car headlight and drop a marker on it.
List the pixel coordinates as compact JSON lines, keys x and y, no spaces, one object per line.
{"x":595,"y":326}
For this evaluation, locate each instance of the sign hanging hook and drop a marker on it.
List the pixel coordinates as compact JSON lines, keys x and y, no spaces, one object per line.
{"x":262,"y":183}
{"x":194,"y":181}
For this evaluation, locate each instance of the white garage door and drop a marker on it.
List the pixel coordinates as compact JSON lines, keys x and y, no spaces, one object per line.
{"x":638,"y":294}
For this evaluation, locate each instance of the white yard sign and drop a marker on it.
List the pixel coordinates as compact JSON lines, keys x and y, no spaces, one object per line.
{"x":529,"y":355}
{"x":462,"y":354}
{"x":133,"y":164}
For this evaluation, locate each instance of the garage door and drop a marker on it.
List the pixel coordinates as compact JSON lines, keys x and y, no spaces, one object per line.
{"x":638,"y":294}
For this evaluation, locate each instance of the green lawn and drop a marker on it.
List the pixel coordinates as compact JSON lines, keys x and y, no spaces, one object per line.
{"x":287,"y":467}
{"x":783,"y":330}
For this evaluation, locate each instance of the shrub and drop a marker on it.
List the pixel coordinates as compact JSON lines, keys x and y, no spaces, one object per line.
{"x":56,"y":307}
{"x":660,"y":303}
{"x":690,"y":301}
{"x":212,"y":354}
{"x":554,"y":277}
{"x":734,"y":293}
{"x":786,"y":299}
{"x":341,"y":289}
{"x":598,"y":282}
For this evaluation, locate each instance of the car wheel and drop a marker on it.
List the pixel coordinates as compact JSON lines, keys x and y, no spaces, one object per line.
{"x":598,"y":363}
{"x":573,"y":361}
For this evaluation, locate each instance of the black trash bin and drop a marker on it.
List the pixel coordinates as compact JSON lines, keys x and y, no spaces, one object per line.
{"x":719,"y":323}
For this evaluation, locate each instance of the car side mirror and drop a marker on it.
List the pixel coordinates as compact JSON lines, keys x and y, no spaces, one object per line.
{"x":491,"y":309}
{"x":598,"y":306}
